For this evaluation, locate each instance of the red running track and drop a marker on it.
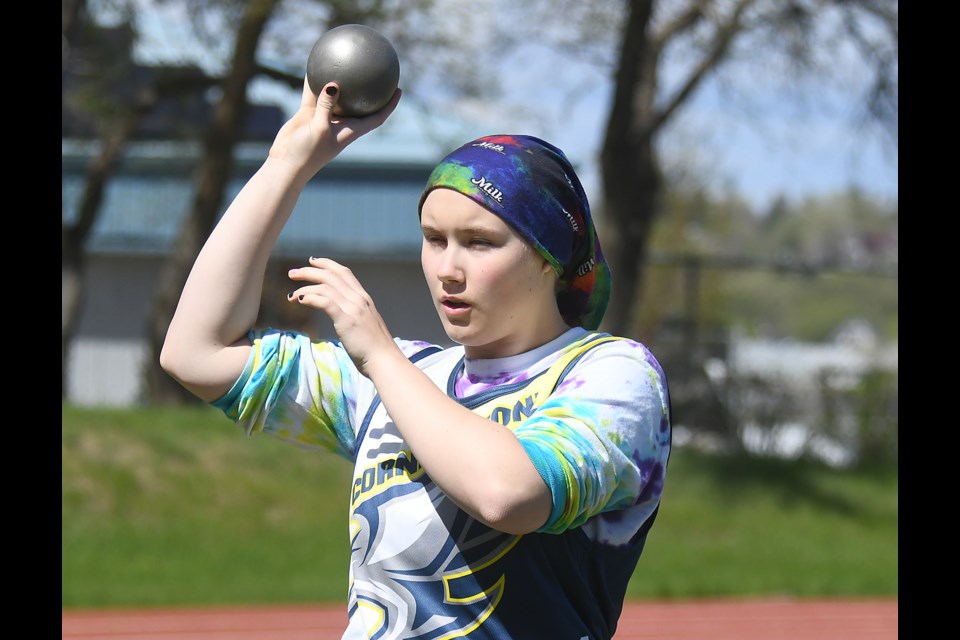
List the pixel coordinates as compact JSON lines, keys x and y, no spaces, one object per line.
{"x":686,"y":620}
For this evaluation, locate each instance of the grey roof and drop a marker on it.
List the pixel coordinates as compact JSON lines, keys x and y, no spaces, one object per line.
{"x":364,"y":202}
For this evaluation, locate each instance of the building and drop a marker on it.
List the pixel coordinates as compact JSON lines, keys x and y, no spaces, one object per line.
{"x":361,"y":210}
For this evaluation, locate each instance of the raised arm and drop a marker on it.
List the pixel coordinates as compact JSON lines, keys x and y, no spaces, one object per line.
{"x":206,"y":347}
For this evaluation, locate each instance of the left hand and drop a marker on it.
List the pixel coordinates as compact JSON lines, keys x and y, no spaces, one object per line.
{"x":314,"y":135}
{"x":332,"y":288}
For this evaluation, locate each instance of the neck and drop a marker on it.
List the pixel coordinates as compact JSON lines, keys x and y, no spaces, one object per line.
{"x":535,"y":336}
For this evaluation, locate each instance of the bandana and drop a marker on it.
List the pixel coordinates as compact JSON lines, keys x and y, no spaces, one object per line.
{"x":531,"y":185}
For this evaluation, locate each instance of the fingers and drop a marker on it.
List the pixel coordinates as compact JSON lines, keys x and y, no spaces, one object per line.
{"x":344,"y":274}
{"x":325,"y":270}
{"x":331,"y":280}
{"x":307,"y":98}
{"x":332,"y":288}
{"x":353,"y":127}
{"x":328,"y":299}
{"x":327,"y":101}
{"x":377,"y":118}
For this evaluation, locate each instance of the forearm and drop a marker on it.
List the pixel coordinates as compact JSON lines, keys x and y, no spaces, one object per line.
{"x":205,"y":347}
{"x":479,"y":463}
{"x":221,"y":298}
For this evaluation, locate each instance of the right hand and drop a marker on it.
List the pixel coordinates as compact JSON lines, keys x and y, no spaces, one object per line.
{"x":329,"y":286}
{"x":314,"y":135}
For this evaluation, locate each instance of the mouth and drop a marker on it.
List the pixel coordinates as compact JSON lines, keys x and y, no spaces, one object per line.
{"x":454,"y":306}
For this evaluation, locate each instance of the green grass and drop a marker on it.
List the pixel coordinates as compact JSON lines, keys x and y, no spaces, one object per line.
{"x":807,"y":308}
{"x":731,"y":526}
{"x":177,"y":506}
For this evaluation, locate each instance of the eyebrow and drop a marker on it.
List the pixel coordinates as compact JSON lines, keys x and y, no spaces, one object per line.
{"x":426,"y":228}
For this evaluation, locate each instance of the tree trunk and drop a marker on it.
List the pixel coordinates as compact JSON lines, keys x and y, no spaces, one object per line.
{"x":632,"y":204}
{"x":213,"y":174}
{"x":71,"y":298}
{"x":73,"y":237}
{"x":631,"y":180}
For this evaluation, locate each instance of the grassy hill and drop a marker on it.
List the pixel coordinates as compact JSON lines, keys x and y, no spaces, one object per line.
{"x":177,"y":506}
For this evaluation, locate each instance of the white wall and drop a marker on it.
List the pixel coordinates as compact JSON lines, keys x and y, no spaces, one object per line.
{"x":108,"y":353}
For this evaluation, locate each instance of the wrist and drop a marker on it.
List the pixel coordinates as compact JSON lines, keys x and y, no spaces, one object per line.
{"x":386,"y":363}
{"x":287,"y":173}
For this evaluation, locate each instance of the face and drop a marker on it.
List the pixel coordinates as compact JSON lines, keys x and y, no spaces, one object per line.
{"x":494,"y":293}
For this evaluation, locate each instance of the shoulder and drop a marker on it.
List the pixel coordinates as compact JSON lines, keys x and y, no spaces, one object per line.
{"x":600,"y":350}
{"x":616,"y":368}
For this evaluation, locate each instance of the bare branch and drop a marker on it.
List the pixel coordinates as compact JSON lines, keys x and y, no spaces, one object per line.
{"x":681,"y":23}
{"x":723,"y":38}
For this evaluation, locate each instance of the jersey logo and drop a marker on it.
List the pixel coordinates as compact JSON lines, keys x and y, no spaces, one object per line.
{"x":386,"y":472}
{"x":521,"y":409}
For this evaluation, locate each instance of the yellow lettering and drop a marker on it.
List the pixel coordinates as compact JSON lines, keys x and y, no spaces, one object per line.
{"x":385,"y":473}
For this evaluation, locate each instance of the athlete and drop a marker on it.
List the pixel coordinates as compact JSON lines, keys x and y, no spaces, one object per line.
{"x":503,"y":487}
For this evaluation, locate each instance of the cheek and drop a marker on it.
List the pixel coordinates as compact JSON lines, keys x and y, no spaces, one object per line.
{"x":517,"y":277}
{"x":427,"y":265}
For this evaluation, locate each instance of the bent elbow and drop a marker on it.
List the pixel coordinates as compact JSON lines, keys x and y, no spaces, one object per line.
{"x":206,"y":372}
{"x":170,"y":363}
{"x":176,"y":363}
{"x":513,"y":511}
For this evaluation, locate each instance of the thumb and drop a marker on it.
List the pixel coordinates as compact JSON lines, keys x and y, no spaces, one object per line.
{"x":327,"y":100}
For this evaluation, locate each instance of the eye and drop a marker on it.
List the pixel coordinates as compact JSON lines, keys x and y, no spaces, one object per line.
{"x":433,"y":239}
{"x":480,"y":242}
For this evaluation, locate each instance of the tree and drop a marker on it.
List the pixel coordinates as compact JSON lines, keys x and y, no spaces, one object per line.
{"x":657,"y":57}
{"x":688,"y":42}
{"x":222,"y":135}
{"x":706,"y":35}
{"x":212,"y":176}
{"x":104,"y":95}
{"x":261,"y":25}
{"x":94,"y":61}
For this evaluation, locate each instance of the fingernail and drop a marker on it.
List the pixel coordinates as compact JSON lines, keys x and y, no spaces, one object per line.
{"x":331,"y":90}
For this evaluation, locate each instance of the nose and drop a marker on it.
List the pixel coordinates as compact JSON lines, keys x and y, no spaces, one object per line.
{"x":449,"y":269}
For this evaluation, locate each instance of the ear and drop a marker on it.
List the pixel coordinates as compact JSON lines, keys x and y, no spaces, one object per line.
{"x":545,"y":266}
{"x":550,"y":275}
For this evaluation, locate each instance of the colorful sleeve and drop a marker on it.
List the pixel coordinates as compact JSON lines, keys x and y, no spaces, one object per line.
{"x":299,"y":391}
{"x":602,"y":441}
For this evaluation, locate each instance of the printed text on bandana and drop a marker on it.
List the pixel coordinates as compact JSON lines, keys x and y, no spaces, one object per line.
{"x":489,"y":145}
{"x":488,"y":188}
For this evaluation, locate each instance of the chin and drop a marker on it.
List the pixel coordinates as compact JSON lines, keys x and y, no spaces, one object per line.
{"x":459,"y":334}
{"x":462,"y":334}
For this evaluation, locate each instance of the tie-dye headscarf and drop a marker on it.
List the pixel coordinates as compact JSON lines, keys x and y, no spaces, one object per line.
{"x":532,"y":186}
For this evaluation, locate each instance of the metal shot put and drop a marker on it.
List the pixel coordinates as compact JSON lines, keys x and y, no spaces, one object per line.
{"x":362,"y":61}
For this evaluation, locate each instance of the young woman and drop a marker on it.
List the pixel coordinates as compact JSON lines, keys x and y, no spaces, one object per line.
{"x":503,"y":488}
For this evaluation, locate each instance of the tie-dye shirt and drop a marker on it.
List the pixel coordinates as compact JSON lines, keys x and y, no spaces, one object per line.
{"x":593,"y":413}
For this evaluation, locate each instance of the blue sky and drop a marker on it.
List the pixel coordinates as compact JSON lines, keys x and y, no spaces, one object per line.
{"x":761,"y":144}
{"x":774,"y":149}
{"x":777,"y":152}
{"x":761,"y":155}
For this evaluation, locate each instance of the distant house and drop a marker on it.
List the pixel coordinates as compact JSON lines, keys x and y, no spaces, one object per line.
{"x":361,"y":209}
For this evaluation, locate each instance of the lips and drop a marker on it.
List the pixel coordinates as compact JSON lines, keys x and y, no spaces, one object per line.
{"x":454,"y":306}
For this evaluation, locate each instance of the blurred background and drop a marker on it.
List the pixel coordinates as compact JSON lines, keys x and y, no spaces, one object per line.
{"x":741,"y":158}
